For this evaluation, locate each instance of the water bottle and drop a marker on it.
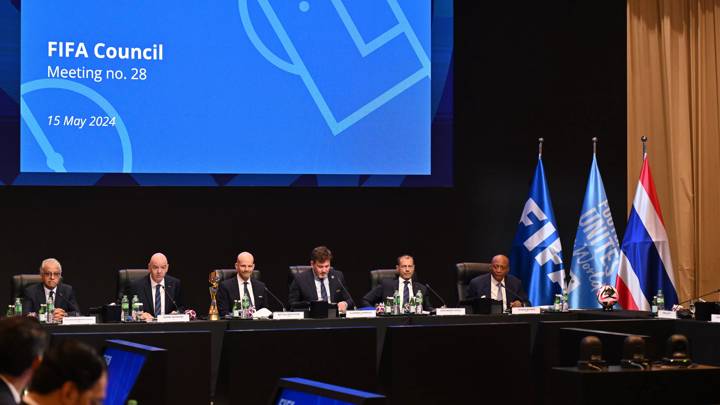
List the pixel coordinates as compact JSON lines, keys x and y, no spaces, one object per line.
{"x":42,"y":314}
{"x":10,"y":311}
{"x":50,"y":310}
{"x":557,"y":305}
{"x":18,"y":307}
{"x":660,"y":300}
{"x":138,"y":308}
{"x":419,"y":302}
{"x":409,"y":306}
{"x":236,"y":309}
{"x":396,"y":303}
{"x":124,"y":309}
{"x":133,"y":313}
{"x":245,"y":307}
{"x":565,"y":301}
{"x":654,"y":307}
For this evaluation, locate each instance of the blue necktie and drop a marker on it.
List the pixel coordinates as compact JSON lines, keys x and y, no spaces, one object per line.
{"x":406,"y":292}
{"x":323,"y":291}
{"x":158,"y":306}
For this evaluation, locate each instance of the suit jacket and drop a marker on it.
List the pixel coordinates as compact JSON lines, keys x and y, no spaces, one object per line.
{"x":229,"y":291}
{"x":34,"y":296}
{"x":302,"y":289}
{"x":6,"y":396}
{"x":480,"y":286}
{"x":143,"y":289}
{"x":387,"y":288}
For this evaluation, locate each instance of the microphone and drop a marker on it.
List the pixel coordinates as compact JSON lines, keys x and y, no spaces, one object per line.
{"x":344,"y":289}
{"x":171,"y":299}
{"x":513,"y":295}
{"x":444,"y":305}
{"x":58,"y":294}
{"x":276,"y":298}
{"x":704,"y":295}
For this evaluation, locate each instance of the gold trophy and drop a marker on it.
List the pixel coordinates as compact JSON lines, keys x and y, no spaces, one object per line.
{"x":214,"y":280}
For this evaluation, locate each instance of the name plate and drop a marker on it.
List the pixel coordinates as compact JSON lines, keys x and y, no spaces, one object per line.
{"x":525,"y":310}
{"x":173,"y":318}
{"x":288,"y":315}
{"x":79,"y":320}
{"x":360,"y":313}
{"x":715,"y":318}
{"x":663,"y":314}
{"x":449,"y":311}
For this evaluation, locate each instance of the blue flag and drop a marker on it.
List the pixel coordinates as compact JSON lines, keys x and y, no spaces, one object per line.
{"x":536,"y":255}
{"x":596,"y":254}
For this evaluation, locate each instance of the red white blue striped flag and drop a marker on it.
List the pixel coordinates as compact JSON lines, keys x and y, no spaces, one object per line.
{"x":645,"y":263}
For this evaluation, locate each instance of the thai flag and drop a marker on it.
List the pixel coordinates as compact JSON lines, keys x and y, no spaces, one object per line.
{"x":645,"y":264}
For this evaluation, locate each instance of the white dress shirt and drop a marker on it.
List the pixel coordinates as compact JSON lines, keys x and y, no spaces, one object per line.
{"x":494,"y":290}
{"x":327,"y":288}
{"x":241,"y":286}
{"x":13,"y":390}
{"x":401,"y":289}
{"x":151,"y":305}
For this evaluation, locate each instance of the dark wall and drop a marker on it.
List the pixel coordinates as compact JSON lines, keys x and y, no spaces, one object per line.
{"x":539,"y":69}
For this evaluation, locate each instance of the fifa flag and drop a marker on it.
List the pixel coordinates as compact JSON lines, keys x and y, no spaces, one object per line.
{"x":596,"y":253}
{"x":645,"y":264}
{"x":536,"y":254}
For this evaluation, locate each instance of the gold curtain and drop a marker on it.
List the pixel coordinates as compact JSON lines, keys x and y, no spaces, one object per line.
{"x":673,"y":56}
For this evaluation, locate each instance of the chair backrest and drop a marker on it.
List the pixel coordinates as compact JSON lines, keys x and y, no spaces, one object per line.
{"x":299,"y":269}
{"x":126,"y":277}
{"x":230,"y":273}
{"x":467,"y":271}
{"x":378,"y":275}
{"x":20,"y":281}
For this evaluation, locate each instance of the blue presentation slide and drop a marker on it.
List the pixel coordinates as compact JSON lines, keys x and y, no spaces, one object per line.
{"x":245,"y":86}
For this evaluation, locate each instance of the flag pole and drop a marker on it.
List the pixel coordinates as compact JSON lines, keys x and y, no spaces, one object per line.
{"x":643,"y":139}
{"x":594,"y":141}
{"x":540,"y":143}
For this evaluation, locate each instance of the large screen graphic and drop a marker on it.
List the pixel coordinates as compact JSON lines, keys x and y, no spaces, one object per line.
{"x":246,"y":92}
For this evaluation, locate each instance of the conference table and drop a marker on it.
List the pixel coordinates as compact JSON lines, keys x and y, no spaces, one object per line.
{"x":411,"y":359}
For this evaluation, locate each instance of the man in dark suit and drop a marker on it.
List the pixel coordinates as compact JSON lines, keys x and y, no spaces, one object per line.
{"x":159,"y":292}
{"x":322,"y":283}
{"x":404,"y":285}
{"x":499,"y":285}
{"x":243,"y":284}
{"x":50,"y":289}
{"x":22,"y":344}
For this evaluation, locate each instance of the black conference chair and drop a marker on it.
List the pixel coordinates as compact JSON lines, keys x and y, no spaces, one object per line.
{"x":378,"y":275}
{"x":466,"y":272}
{"x":20,"y":282}
{"x":127,"y":277}
{"x":295,"y":270}
{"x":230,"y":273}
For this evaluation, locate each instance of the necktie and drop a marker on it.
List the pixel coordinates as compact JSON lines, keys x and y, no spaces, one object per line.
{"x":52,"y":296}
{"x":323,"y":291}
{"x":406,"y":292}
{"x":499,"y":293}
{"x":158,"y":303}
{"x":247,"y":292}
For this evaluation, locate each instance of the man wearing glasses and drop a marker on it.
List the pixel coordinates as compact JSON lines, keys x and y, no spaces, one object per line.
{"x":404,"y":284}
{"x":51,"y":290}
